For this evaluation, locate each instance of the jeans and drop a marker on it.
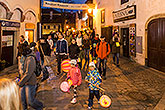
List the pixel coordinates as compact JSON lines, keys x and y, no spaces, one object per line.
{"x":59,"y":58}
{"x":86,"y":58}
{"x":28,"y":93}
{"x":103,"y":62}
{"x":116,"y":55}
{"x":93,"y":93}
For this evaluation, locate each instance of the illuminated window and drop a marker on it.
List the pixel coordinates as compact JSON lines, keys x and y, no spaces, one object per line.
{"x":124,"y":1}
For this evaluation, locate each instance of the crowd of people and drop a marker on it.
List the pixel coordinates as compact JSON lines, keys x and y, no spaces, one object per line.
{"x":76,"y":46}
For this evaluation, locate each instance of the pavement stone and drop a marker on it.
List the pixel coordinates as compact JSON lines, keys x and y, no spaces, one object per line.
{"x":130,"y":87}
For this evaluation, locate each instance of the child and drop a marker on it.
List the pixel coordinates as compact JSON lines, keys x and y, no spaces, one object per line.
{"x":81,"y":57}
{"x":94,"y":80}
{"x":74,"y":75}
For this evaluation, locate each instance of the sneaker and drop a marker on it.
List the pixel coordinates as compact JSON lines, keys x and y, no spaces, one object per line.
{"x":73,"y":101}
{"x":89,"y":108}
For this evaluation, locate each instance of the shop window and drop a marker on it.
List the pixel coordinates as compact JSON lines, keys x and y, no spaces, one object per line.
{"x":54,"y":26}
{"x":44,"y":27}
{"x":48,"y":27}
{"x":124,"y":1}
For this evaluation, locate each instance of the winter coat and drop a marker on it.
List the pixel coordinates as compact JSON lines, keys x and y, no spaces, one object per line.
{"x":62,"y":47}
{"x":102,"y":50}
{"x":29,"y":77}
{"x":86,"y":44}
{"x":113,"y":43}
{"x":74,"y":75}
{"x":73,"y":51}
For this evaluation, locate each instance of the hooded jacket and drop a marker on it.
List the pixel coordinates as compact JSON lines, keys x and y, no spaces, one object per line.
{"x":74,"y":74}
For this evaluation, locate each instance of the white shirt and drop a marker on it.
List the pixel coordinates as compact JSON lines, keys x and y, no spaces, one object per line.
{"x":50,"y":43}
{"x":79,"y":41}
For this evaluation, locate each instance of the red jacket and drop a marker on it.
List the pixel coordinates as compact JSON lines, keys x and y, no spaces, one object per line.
{"x":101,"y":50}
{"x":75,"y":75}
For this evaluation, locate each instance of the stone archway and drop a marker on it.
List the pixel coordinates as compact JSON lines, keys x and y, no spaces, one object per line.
{"x":155,"y":41}
{"x":5,"y":12}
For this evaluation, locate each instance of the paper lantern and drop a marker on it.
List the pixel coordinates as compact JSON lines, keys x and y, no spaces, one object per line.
{"x":65,"y":65}
{"x":105,"y":101}
{"x":70,"y":82}
{"x":65,"y":86}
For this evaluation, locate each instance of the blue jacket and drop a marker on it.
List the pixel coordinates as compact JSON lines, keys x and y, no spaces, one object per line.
{"x":62,"y":47}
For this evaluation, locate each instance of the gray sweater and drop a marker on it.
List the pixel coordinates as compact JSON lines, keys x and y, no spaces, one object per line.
{"x":29,"y":77}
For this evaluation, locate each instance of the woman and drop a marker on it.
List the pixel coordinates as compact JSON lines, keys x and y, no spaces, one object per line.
{"x":74,"y":50}
{"x":9,"y":95}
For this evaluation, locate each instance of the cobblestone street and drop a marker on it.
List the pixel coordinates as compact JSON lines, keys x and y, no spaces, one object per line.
{"x":131,"y":87}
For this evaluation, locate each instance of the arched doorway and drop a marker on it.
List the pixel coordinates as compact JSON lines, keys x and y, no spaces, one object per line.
{"x":156,"y":44}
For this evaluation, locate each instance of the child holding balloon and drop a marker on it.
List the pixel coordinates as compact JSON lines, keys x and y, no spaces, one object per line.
{"x":94,"y":80}
{"x":74,"y":75}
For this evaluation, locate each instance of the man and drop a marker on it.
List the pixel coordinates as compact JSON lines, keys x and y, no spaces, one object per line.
{"x":102,"y":51}
{"x":28,"y":81}
{"x":61,"y":51}
{"x":115,"y":48}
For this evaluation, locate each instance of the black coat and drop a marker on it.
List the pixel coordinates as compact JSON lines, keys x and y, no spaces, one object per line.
{"x":114,"y":48}
{"x":74,"y":51}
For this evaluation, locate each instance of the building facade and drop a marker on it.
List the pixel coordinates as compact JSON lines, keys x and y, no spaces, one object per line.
{"x":17,"y":17}
{"x":140,"y":24}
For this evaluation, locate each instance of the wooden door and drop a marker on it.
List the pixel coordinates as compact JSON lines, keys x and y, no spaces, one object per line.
{"x":125,"y":41}
{"x":156,"y":44}
{"x":107,"y":32}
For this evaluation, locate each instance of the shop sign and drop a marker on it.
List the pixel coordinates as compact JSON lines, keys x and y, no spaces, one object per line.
{"x":65,"y":5}
{"x":125,"y":14}
{"x":9,"y":24}
{"x":29,"y":26}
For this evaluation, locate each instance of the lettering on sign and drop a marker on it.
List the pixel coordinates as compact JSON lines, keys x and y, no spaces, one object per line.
{"x":125,"y":14}
{"x":9,"y":24}
{"x":65,"y":5}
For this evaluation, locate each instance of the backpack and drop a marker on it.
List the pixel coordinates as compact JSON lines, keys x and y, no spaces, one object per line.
{"x":38,"y":67}
{"x":106,"y":46}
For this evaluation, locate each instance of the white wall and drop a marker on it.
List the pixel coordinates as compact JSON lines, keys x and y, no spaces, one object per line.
{"x":145,"y":10}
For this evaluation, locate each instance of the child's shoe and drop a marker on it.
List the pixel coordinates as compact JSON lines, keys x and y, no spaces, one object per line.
{"x":73,"y":101}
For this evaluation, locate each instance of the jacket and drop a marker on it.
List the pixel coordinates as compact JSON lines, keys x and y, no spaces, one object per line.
{"x":29,"y":77}
{"x":74,"y":75}
{"x":74,"y":51}
{"x":94,"y":78}
{"x":115,"y":49}
{"x":102,"y":50}
{"x":86,"y":44}
{"x":62,"y":47}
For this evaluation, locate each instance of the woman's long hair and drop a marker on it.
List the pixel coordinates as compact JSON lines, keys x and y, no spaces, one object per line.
{"x":9,"y":95}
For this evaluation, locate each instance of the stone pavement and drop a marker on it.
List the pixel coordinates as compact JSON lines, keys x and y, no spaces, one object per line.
{"x":130,"y":87}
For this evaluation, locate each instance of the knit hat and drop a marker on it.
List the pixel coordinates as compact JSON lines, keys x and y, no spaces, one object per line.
{"x":73,"y":62}
{"x":92,"y":64}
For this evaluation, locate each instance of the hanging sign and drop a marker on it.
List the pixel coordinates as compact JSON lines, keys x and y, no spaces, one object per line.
{"x":125,"y":14}
{"x":65,"y":5}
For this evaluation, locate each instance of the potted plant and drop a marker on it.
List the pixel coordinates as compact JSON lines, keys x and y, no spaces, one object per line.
{"x":2,"y":64}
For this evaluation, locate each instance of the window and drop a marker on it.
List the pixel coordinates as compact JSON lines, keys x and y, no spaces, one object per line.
{"x":124,"y":1}
{"x":44,"y":27}
{"x":48,"y":27}
{"x":54,"y":26}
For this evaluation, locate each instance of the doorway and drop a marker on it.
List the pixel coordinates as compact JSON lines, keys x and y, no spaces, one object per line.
{"x":125,"y":41}
{"x":29,"y":35}
{"x":7,"y":47}
{"x":156,"y":44}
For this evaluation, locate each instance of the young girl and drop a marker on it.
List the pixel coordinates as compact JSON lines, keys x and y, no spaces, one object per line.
{"x":74,"y":75}
{"x":94,"y":80}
